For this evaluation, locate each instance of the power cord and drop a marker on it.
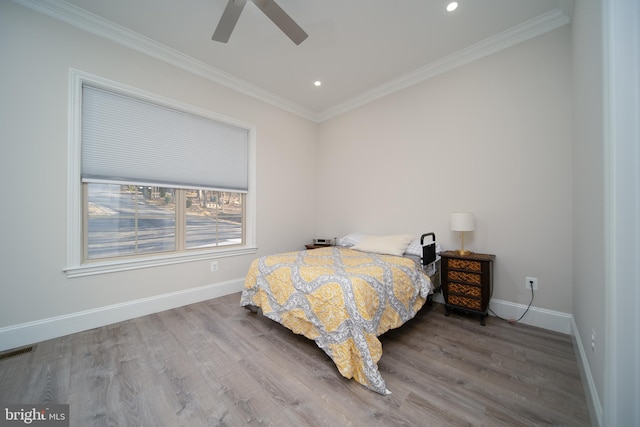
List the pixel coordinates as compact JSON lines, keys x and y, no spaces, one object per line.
{"x":520,"y":318}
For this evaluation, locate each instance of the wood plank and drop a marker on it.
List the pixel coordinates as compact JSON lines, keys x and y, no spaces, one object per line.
{"x":215,"y":363}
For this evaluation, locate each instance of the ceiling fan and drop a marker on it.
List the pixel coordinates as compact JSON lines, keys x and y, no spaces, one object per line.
{"x":268,"y":7}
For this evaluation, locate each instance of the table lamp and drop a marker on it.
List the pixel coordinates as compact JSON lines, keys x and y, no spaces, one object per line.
{"x":462,"y":221}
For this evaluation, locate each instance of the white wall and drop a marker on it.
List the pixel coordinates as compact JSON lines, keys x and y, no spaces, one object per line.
{"x":622,"y":194}
{"x":622,"y":171}
{"x":589,"y":192}
{"x":606,"y":291}
{"x":37,"y":53}
{"x":492,"y":137}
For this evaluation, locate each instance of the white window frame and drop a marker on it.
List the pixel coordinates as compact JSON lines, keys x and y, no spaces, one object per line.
{"x":75,"y":265}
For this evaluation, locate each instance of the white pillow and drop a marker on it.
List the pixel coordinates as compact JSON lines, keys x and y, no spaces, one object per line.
{"x":390,"y":245}
{"x":415,"y":248}
{"x":352,"y":239}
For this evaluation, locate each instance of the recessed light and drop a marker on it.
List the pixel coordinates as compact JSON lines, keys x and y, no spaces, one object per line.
{"x":452,"y":6}
{"x":317,"y":83}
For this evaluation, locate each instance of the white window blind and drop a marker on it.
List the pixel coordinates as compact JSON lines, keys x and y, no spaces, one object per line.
{"x":125,"y":139}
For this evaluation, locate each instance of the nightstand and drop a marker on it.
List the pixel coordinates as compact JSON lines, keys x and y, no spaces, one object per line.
{"x":314,"y":246}
{"x":467,"y":282}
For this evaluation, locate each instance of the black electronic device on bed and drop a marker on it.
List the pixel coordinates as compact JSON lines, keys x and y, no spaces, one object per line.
{"x":428,"y":250}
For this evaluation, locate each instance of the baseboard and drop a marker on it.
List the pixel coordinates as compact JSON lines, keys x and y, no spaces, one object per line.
{"x":590,"y":392}
{"x":41,"y":330}
{"x":540,"y":317}
{"x":536,"y":316}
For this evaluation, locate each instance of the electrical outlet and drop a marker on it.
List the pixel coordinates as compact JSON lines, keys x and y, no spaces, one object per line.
{"x":529,"y":282}
{"x":214,"y":265}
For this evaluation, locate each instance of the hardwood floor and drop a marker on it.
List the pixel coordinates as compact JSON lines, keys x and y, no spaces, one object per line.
{"x":216,"y":364}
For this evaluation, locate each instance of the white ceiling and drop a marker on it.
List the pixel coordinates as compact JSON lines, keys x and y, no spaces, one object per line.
{"x":359,"y":49}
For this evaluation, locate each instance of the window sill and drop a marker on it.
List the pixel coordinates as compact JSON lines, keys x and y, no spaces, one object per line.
{"x":91,"y":269}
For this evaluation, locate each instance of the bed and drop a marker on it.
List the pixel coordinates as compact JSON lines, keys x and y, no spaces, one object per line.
{"x":345,"y":296}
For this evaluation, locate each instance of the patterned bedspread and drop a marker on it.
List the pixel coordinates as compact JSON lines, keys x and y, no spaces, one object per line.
{"x":342,"y":299}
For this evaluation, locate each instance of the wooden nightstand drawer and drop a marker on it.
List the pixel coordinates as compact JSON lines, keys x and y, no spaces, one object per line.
{"x":462,"y":302}
{"x":467,"y":282}
{"x":464,"y":264}
{"x":459,"y":288}
{"x":462,"y":276}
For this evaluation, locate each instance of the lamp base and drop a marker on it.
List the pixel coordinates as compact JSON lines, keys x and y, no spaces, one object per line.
{"x":462,"y":250}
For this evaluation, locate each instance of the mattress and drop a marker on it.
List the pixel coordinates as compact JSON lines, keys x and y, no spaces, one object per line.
{"x":341,"y":298}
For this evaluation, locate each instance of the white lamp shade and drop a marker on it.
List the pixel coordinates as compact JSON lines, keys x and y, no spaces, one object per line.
{"x":462,"y":221}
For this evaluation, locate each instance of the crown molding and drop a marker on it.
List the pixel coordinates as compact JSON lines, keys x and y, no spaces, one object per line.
{"x":534,"y":27}
{"x":99,"y":26}
{"x":92,"y":23}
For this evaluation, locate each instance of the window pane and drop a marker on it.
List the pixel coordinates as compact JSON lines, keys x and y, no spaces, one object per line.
{"x":128,"y":220}
{"x":214,"y":218}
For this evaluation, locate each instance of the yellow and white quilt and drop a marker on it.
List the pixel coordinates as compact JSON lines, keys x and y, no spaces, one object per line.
{"x":342,"y":299}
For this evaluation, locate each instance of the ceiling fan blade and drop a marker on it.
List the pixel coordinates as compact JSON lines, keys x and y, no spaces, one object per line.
{"x":282,"y":20}
{"x":228,"y":20}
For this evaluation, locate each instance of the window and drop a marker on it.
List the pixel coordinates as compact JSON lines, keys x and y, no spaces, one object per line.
{"x":154,"y":181}
{"x":128,"y":220}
